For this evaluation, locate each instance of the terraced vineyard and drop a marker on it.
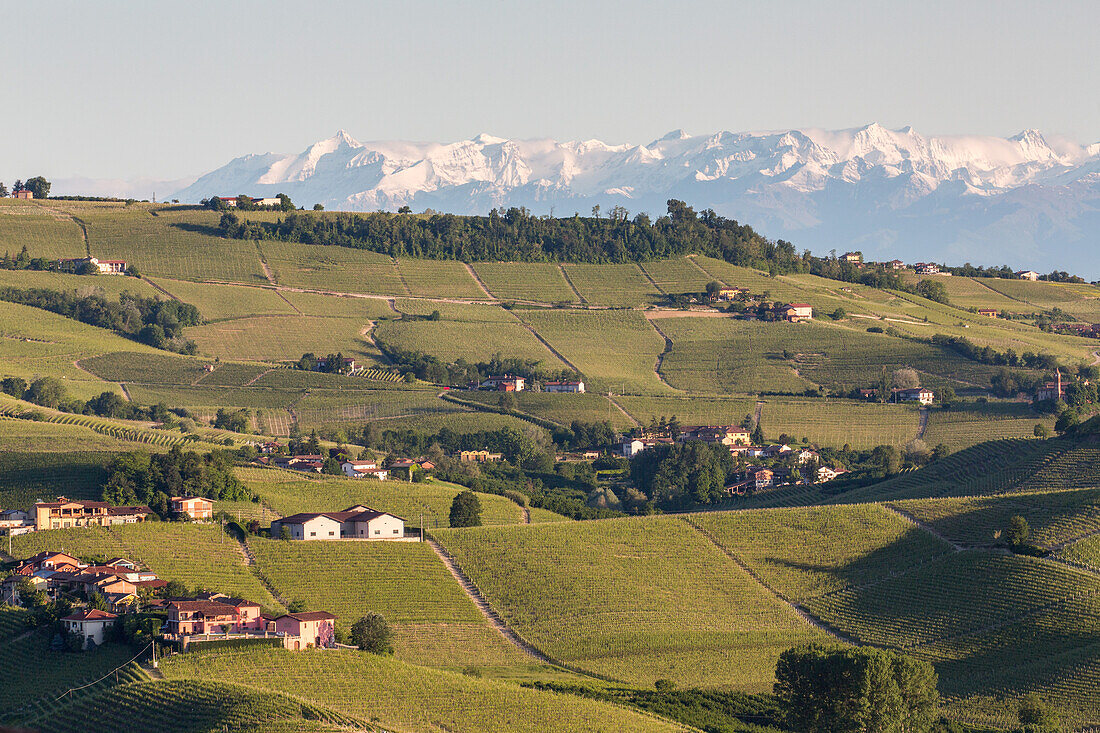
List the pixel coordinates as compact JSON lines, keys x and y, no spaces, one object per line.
{"x":615,"y":350}
{"x":13,"y":621}
{"x":332,"y":268}
{"x":185,"y":705}
{"x":862,"y":425}
{"x":961,"y":593}
{"x":145,"y":368}
{"x":220,"y":302}
{"x":540,"y":282}
{"x":284,"y":338}
{"x":401,"y":696}
{"x":450,"y":340}
{"x":54,"y":672}
{"x":677,"y":276}
{"x":1086,"y":552}
{"x":438,"y":278}
{"x":44,"y":232}
{"x":560,"y":408}
{"x":1054,"y":518}
{"x":690,"y":615}
{"x":976,"y":423}
{"x":199,"y":555}
{"x":613,"y":285}
{"x":808,"y":553}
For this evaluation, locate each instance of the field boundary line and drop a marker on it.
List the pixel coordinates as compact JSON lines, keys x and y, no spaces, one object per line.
{"x":569,"y":282}
{"x":691,"y":259}
{"x":401,"y":276}
{"x":622,"y":409}
{"x":263,"y":264}
{"x":547,"y":344}
{"x":923,"y":422}
{"x":911,"y":519}
{"x":998,"y":292}
{"x":158,"y":288}
{"x":478,"y":598}
{"x":477,"y":279}
{"x":661,"y":356}
{"x":649,"y":277}
{"x":796,"y":607}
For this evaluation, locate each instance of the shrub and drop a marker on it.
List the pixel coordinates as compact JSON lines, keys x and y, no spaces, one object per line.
{"x":372,"y":634}
{"x":466,"y":510}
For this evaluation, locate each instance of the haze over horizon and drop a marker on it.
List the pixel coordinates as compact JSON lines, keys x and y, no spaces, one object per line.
{"x":116,"y":91}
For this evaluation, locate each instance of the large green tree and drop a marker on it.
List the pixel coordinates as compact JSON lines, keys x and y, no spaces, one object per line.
{"x":855,"y":690}
{"x":466,"y":510}
{"x":372,"y":634}
{"x":38,"y":186}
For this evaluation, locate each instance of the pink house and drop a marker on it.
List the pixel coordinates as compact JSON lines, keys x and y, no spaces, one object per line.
{"x":313,"y":628}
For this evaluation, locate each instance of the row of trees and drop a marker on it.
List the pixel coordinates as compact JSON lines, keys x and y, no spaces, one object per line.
{"x":50,"y":392}
{"x":38,"y":186}
{"x":158,"y":323}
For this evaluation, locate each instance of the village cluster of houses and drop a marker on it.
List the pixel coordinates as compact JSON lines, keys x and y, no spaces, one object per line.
{"x":65,"y":513}
{"x":807,"y":468}
{"x":206,"y":616}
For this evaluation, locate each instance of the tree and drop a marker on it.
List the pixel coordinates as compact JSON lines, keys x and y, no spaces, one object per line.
{"x":826,"y":689}
{"x":285,"y":203}
{"x":405,"y":210}
{"x":372,"y":634}
{"x":948,"y":398}
{"x":38,"y":186}
{"x":1018,"y":531}
{"x":97,"y":601}
{"x":47,"y":391}
{"x":839,"y":314}
{"x":906,"y":378}
{"x":713,"y":287}
{"x":331,"y":466}
{"x":507,"y":401}
{"x":757,"y":436}
{"x":284,"y":532}
{"x":1041,"y":431}
{"x":1037,"y":715}
{"x":466,"y":510}
{"x":3,"y":190}
{"x":884,"y":386}
{"x":318,"y":207}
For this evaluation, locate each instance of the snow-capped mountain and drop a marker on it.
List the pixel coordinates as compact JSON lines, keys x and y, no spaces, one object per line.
{"x":1023,"y":200}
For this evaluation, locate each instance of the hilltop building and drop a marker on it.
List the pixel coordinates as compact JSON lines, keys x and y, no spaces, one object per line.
{"x":105,"y":267}
{"x":63,"y":513}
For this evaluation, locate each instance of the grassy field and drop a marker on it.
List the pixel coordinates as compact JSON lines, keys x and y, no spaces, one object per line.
{"x":861,"y":425}
{"x":615,"y":350}
{"x":109,"y":286}
{"x":810,"y":552}
{"x":48,"y":437}
{"x":154,"y":367}
{"x":974,"y":423}
{"x":614,"y":285}
{"x":540,"y":282}
{"x":1054,"y":517}
{"x":975,"y":292}
{"x":634,"y":599}
{"x":401,"y":696}
{"x":290,"y":494}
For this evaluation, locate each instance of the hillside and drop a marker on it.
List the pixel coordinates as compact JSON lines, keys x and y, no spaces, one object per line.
{"x":707,"y":600}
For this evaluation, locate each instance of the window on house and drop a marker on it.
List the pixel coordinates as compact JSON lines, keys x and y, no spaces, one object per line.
{"x":330,"y":534}
{"x":312,"y":534}
{"x":378,"y":531}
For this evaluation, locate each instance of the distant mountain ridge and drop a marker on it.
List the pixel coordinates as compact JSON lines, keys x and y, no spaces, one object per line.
{"x":1024,"y":200}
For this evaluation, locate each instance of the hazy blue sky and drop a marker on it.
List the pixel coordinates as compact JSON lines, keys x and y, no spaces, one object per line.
{"x":126,"y":89}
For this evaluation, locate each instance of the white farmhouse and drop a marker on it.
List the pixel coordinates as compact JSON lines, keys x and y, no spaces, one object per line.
{"x":358,"y":522}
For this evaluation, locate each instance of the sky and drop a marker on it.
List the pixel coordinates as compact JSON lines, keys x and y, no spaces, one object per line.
{"x":170,"y":90}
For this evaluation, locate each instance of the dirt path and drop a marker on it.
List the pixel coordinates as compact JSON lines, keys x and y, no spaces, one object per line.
{"x":798,"y":609}
{"x":1096,"y":357}
{"x":479,"y":600}
{"x":652,"y":282}
{"x":572,"y":287}
{"x":621,"y":409}
{"x":923,"y":423}
{"x":158,"y":288}
{"x":661,"y":356}
{"x":254,"y":379}
{"x":263,"y":263}
{"x":526,"y":515}
{"x":547,"y":344}
{"x":758,"y":413}
{"x":978,"y":280}
{"x":477,"y":279}
{"x":125,"y":392}
{"x":367,"y":333}
{"x":921,"y":525}
{"x":703,"y":270}
{"x":401,"y":276}
{"x":890,"y":320}
{"x":656,"y":313}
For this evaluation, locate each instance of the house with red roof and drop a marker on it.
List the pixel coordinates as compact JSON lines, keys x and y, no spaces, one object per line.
{"x":91,"y":623}
{"x":311,"y":628}
{"x":795,"y":312}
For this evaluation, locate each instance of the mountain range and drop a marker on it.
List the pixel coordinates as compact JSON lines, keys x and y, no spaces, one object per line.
{"x":1028,"y":201}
